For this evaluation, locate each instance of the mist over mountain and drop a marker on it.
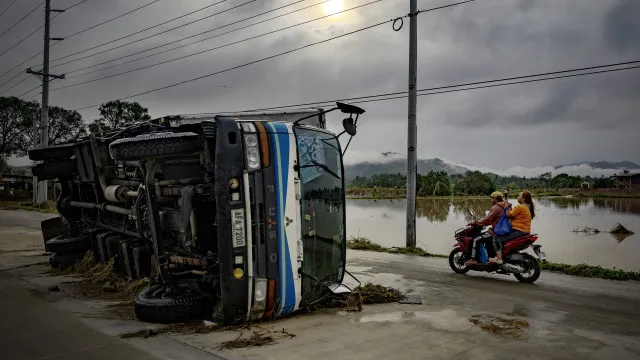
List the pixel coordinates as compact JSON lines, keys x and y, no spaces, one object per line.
{"x":393,"y":163}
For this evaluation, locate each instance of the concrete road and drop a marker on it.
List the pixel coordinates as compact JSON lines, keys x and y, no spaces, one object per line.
{"x":31,"y":328}
{"x":461,"y":316}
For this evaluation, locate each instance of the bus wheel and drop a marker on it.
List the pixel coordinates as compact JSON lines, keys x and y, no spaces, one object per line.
{"x":154,"y":144}
{"x":155,"y":305}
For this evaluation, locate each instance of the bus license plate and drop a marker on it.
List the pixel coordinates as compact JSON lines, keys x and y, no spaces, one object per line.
{"x":237,"y":221}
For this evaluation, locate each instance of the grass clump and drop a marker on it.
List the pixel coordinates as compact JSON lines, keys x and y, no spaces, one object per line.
{"x":45,"y":207}
{"x":364,"y":294}
{"x":585,"y":270}
{"x":361,"y":243}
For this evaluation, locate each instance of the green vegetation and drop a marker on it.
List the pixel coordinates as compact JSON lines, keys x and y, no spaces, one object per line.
{"x":46,"y":207}
{"x":476,"y":183}
{"x":361,"y":243}
{"x":583,"y":270}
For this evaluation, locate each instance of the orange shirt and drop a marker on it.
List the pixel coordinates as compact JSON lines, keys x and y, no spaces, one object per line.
{"x":520,"y":217}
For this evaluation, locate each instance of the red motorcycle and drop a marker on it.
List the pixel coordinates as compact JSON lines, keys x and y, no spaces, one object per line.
{"x":525,"y":267}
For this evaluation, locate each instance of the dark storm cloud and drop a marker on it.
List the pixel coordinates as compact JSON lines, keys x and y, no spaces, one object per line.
{"x":479,"y":41}
{"x":622,"y":26}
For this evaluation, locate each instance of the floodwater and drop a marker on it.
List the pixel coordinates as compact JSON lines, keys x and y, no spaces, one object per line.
{"x":556,"y":222}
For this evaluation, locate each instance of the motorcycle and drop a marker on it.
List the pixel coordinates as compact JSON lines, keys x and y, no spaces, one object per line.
{"x":524,"y":266}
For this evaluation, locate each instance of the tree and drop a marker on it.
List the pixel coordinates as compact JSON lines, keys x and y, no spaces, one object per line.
{"x":475,"y":183}
{"x":4,"y":167}
{"x":64,"y":125}
{"x":435,"y":183}
{"x":16,"y":118}
{"x":116,"y":114}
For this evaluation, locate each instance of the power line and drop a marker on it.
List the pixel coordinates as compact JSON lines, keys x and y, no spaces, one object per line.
{"x":76,"y":4}
{"x":19,"y":21}
{"x":505,"y":84}
{"x":31,"y":34}
{"x":265,"y":58}
{"x":7,"y":8}
{"x":26,"y":37}
{"x":143,"y":30}
{"x":215,"y":48}
{"x":192,"y":36}
{"x":34,"y":56}
{"x":18,"y":83}
{"x":112,"y":19}
{"x":456,"y":88}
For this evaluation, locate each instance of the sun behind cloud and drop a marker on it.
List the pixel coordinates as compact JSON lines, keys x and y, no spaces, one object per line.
{"x":332,"y":6}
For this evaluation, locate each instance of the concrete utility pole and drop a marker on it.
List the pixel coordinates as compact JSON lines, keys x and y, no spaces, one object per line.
{"x":40,"y":188}
{"x":412,"y":160}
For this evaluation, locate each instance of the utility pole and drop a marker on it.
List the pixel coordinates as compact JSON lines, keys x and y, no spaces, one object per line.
{"x":412,"y":139}
{"x":40,"y":188}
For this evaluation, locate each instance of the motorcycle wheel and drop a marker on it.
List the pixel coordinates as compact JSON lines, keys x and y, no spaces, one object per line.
{"x":533,"y":267}
{"x":456,"y":261}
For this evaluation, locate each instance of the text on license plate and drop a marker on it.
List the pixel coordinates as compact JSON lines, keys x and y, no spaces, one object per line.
{"x":237,"y":224}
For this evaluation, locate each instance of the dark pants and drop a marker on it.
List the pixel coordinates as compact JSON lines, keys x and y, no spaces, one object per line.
{"x":498,"y":240}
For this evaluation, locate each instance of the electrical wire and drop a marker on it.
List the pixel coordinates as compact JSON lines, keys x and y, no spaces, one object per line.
{"x":31,"y":34}
{"x":7,"y":8}
{"x":76,"y":4}
{"x":215,"y":48}
{"x":143,"y":30}
{"x":22,"y":19}
{"x":16,"y":84}
{"x":25,"y":38}
{"x":123,"y":37}
{"x":192,"y":36}
{"x":454,"y":88}
{"x":263,"y":59}
{"x":110,"y":20}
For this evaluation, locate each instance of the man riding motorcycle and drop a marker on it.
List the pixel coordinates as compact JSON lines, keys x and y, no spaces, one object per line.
{"x":492,"y":218}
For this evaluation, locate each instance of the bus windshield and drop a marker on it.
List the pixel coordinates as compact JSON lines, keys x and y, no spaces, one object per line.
{"x":322,"y":210}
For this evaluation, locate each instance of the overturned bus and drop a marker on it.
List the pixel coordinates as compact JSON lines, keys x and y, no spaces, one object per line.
{"x":235,"y":217}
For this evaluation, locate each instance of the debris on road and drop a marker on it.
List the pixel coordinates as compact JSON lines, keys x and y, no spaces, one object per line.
{"x":54,"y":288}
{"x":259,"y":337}
{"x":506,"y":327}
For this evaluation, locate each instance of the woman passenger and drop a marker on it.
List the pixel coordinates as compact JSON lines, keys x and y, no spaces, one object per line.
{"x":520,"y":216}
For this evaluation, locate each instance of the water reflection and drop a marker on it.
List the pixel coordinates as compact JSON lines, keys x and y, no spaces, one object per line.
{"x":616,"y":204}
{"x":383,"y":222}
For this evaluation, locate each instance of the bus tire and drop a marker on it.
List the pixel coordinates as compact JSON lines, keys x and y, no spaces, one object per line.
{"x":65,"y":244}
{"x":154,"y":144}
{"x":64,"y":261}
{"x":151,"y":306}
{"x":55,"y":169}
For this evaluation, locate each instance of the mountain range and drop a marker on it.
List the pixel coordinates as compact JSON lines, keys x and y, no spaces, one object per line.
{"x":392,"y":164}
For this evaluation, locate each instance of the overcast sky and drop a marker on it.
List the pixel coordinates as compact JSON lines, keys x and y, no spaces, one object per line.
{"x":553,"y":122}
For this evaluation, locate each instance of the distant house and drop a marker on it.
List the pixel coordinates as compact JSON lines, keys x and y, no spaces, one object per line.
{"x":627,"y":181}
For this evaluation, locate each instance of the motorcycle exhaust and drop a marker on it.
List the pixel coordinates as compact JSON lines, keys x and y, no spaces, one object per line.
{"x":516,"y":269}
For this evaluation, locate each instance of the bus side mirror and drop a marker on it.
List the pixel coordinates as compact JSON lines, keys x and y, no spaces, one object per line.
{"x":349,"y":126}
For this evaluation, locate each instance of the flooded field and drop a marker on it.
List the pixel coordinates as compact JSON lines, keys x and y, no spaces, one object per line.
{"x":383,"y":222}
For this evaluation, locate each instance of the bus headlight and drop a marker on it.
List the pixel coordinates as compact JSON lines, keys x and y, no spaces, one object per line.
{"x":251,"y":144}
{"x":253,"y":158}
{"x":260,"y":290}
{"x":251,"y":140}
{"x":259,"y":298}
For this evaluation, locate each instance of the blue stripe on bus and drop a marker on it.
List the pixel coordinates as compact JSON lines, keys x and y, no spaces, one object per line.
{"x":280,"y":147}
